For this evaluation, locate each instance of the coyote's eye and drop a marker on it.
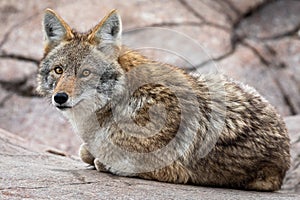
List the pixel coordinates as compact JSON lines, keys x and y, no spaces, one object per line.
{"x":86,"y":72}
{"x":58,"y":70}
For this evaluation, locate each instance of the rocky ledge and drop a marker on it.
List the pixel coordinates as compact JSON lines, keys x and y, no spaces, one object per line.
{"x":28,"y":174}
{"x":254,"y":41}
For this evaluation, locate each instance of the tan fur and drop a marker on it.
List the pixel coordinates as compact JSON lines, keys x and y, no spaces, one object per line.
{"x":66,"y":85}
{"x":130,"y":59}
{"x":251,"y":149}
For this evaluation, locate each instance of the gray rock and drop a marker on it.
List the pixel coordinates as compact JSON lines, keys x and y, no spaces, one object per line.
{"x":252,"y":41}
{"x":272,"y":20}
{"x":25,"y":173}
{"x":292,"y":179}
{"x":37,"y":121}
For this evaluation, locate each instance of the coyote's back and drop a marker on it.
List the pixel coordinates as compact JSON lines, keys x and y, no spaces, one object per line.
{"x":142,"y":118}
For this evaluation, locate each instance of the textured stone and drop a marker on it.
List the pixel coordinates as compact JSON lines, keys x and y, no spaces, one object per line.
{"x":135,"y":14}
{"x":176,"y":44}
{"x":37,"y":121}
{"x":282,"y":17}
{"x":265,"y":54}
{"x":292,"y":179}
{"x":216,"y":13}
{"x":25,"y":173}
{"x":12,"y":70}
{"x":3,"y":96}
{"x":281,"y":58}
{"x":245,"y":6}
{"x":21,"y":26}
{"x":18,"y":76}
{"x":288,"y":50}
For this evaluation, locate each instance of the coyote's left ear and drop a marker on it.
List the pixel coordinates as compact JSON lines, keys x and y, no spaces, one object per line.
{"x":107,"y":34}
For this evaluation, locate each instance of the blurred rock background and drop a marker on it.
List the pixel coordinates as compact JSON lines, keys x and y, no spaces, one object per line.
{"x":254,"y":41}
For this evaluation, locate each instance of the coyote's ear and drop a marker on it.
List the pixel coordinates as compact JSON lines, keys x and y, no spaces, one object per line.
{"x":55,"y":29}
{"x":107,"y":34}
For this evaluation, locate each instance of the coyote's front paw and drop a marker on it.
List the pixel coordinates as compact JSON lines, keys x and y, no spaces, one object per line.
{"x":99,"y":166}
{"x":85,"y":155}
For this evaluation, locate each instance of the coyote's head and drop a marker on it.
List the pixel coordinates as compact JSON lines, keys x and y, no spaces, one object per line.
{"x":81,"y":68}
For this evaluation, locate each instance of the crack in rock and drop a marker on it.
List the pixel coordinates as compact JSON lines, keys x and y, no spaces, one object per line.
{"x":191,"y":9}
{"x":200,"y":17}
{"x":5,"y":99}
{"x":264,"y":24}
{"x":19,"y":57}
{"x":286,"y":98}
{"x":50,"y":186}
{"x":290,"y":33}
{"x":264,"y":61}
{"x":177,"y":24}
{"x":291,"y":91}
{"x":19,"y":87}
{"x":225,"y":8}
{"x":17,"y":25}
{"x":220,"y":58}
{"x":252,"y":11}
{"x":232,"y":7}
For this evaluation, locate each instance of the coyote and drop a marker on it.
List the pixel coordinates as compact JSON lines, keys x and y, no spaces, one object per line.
{"x":142,"y":118}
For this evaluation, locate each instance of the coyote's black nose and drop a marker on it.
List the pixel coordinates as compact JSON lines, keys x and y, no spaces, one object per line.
{"x":61,"y":98}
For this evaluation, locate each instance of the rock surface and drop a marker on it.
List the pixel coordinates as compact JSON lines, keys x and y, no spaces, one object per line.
{"x":251,"y":41}
{"x":254,"y":41}
{"x":292,"y":179}
{"x":28,"y":174}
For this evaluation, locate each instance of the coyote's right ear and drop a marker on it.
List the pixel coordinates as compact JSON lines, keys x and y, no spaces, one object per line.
{"x":55,"y":30}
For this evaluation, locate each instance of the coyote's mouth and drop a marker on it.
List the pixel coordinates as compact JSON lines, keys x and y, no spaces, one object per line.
{"x":63,"y":107}
{"x":66,"y":107}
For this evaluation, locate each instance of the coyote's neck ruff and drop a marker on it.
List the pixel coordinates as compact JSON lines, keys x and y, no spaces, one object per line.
{"x":142,"y":118}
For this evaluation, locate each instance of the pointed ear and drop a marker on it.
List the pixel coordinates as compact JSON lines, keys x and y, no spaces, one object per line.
{"x":55,"y":29}
{"x":107,"y":34}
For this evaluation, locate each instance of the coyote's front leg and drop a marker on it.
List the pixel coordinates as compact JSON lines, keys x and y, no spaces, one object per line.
{"x":88,"y":158}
